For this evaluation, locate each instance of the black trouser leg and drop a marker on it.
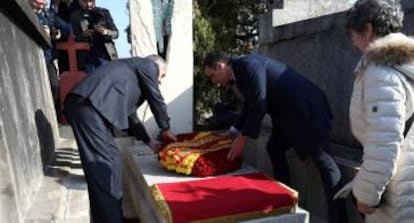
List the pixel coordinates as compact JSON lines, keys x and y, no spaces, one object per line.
{"x":276,"y":148}
{"x":54,"y":85}
{"x":331,"y":177}
{"x":101,"y":160}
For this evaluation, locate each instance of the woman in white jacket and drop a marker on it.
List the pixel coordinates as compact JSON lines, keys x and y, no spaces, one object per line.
{"x":381,"y":103}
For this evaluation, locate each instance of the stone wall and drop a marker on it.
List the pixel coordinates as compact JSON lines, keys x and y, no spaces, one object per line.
{"x":321,"y":50}
{"x":177,"y":87}
{"x":142,"y":28}
{"x":28,"y":127}
{"x":299,"y":10}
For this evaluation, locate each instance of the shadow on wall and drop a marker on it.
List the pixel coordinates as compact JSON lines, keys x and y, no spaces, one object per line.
{"x":46,"y":139}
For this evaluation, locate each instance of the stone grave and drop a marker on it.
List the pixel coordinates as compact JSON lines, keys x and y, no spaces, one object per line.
{"x":142,"y":171}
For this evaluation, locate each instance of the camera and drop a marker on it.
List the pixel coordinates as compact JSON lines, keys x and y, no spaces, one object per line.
{"x":92,"y":20}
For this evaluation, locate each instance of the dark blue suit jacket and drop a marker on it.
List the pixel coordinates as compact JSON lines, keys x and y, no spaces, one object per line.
{"x":299,"y":109}
{"x":118,"y":88}
{"x":49,"y":18}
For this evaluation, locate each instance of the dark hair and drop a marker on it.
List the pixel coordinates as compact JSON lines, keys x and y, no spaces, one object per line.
{"x":212,"y":58}
{"x":385,"y":16}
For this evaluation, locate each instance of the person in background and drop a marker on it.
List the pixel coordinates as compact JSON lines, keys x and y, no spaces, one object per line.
{"x":300,"y":113}
{"x":94,"y":25}
{"x":109,"y":98}
{"x":64,"y":8}
{"x":57,"y":30}
{"x":382,"y":101}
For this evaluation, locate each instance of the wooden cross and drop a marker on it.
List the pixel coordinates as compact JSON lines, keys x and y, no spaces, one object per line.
{"x":73,"y":76}
{"x":71,"y":46}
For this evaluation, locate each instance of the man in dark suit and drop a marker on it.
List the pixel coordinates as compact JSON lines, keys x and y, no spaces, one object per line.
{"x":94,"y":25}
{"x":64,"y":8}
{"x":109,"y":98}
{"x":300,"y":113}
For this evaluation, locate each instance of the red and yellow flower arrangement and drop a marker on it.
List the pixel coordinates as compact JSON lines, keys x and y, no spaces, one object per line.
{"x":198,"y":154}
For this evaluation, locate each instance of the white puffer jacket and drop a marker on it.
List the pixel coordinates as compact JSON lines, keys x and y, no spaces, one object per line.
{"x":382,"y":101}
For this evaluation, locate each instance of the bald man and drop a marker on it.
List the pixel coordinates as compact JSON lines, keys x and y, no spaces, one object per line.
{"x":109,"y":98}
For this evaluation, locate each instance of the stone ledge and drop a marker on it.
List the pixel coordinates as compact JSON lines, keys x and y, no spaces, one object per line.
{"x":297,"y":29}
{"x":21,"y":14}
{"x":270,"y":34}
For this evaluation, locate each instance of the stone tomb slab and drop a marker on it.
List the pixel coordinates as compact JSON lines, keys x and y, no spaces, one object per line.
{"x":142,"y":170}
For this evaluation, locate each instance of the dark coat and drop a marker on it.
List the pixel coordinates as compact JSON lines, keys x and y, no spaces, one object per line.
{"x":65,"y":9}
{"x":49,"y":18}
{"x":118,"y":88}
{"x":102,"y":46}
{"x":299,"y":109}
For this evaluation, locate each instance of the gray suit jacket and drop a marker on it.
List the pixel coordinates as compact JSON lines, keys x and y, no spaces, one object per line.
{"x":118,"y":88}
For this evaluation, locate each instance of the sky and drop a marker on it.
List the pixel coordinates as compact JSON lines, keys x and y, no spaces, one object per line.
{"x":120,"y":15}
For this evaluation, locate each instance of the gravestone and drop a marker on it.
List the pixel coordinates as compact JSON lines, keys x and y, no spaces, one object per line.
{"x":177,"y":88}
{"x":142,"y":171}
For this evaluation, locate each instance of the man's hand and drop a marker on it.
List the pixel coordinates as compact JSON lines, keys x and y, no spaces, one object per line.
{"x":364,"y":208}
{"x":169,"y":135}
{"x":232,"y":132}
{"x":55,"y":34}
{"x":87,"y":33}
{"x":237,"y":147}
{"x":155,"y":146}
{"x":101,"y":30}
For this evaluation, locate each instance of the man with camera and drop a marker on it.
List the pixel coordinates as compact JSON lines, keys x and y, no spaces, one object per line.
{"x":94,"y":25}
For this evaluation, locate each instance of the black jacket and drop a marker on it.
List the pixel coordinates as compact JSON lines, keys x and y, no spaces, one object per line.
{"x":102,"y":46}
{"x":299,"y":109}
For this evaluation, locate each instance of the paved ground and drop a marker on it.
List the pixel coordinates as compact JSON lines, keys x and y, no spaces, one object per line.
{"x":63,"y":196}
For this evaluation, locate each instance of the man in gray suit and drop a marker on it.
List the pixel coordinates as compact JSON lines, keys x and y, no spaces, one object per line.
{"x":109,"y":98}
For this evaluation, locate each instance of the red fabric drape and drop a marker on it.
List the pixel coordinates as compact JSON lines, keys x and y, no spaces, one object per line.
{"x":227,"y":198}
